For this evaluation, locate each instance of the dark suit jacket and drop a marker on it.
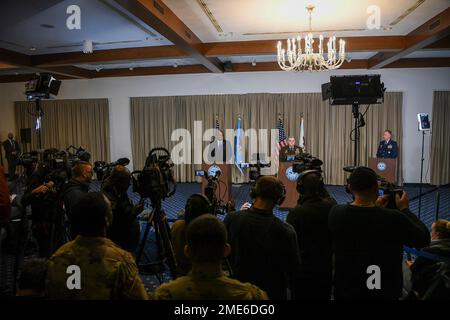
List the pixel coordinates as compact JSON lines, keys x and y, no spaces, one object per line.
{"x":225,"y":150}
{"x":9,"y":148}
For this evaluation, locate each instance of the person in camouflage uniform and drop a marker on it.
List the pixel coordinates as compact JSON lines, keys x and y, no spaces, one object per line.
{"x":106,"y":270}
{"x":206,"y":247}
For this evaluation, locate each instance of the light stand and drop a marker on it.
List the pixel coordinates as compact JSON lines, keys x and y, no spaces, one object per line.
{"x":421,"y":173}
{"x":39,"y":115}
{"x":355,"y":111}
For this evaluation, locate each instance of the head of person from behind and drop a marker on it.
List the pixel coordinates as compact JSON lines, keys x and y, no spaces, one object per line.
{"x":387,"y":135}
{"x":82,"y":171}
{"x":363,"y":184}
{"x":291,"y":142}
{"x":310,"y":184}
{"x":268,"y":192}
{"x":32,"y":278}
{"x":440,"y":230}
{"x":206,"y":241}
{"x":120,"y":179}
{"x":92,"y":215}
{"x":196,"y":206}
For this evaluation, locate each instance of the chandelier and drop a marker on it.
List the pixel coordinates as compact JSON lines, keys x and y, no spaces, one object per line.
{"x":293,"y":58}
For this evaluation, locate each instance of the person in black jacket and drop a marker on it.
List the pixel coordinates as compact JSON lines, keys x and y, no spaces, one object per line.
{"x":76,"y":188}
{"x":368,"y":240}
{"x":124,"y":230}
{"x":423,"y":270}
{"x":12,"y":153}
{"x":310,"y":221}
{"x":264,"y":249}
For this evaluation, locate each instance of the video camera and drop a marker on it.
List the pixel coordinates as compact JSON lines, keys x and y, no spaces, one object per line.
{"x":384,"y":188}
{"x":305,"y":162}
{"x":103,"y":169}
{"x":156,"y":180}
{"x":255,"y":168}
{"x":210,"y":190}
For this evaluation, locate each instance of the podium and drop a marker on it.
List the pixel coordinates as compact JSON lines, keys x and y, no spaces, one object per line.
{"x":289,"y":179}
{"x":223,"y":191}
{"x":385,"y":168}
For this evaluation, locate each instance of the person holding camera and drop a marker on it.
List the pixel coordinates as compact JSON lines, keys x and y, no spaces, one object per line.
{"x":264,"y":248}
{"x":42,"y":199}
{"x":124,"y":230}
{"x":310,"y":221}
{"x":368,"y":240}
{"x":78,"y":186}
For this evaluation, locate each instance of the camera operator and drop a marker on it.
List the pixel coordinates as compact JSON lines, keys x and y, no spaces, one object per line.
{"x":40,"y":196}
{"x":77,"y":187}
{"x":310,"y":221}
{"x":124,"y":230}
{"x":367,"y":236}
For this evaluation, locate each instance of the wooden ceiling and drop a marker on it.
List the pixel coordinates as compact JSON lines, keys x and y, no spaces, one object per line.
{"x":391,"y":50}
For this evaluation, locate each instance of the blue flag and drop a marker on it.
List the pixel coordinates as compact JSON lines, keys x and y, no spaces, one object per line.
{"x":238,"y":149}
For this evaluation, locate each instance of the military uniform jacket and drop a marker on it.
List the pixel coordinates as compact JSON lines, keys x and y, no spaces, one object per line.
{"x":387,"y":149}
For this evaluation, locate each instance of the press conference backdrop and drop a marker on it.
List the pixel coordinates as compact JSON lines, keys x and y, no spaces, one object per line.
{"x":78,"y":122}
{"x":327,"y":128}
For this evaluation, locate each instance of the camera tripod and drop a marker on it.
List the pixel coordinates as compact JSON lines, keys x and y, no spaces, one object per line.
{"x":157,"y":220}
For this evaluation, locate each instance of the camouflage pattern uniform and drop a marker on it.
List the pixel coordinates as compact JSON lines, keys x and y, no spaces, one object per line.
{"x":208,"y":284}
{"x":107,"y":271}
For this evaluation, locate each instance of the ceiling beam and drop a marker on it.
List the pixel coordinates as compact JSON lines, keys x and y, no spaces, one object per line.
{"x":428,"y":33}
{"x":443,"y":44}
{"x":420,"y":63}
{"x":158,"y":16}
{"x":108,"y":56}
{"x":149,"y":71}
{"x":268,"y":47}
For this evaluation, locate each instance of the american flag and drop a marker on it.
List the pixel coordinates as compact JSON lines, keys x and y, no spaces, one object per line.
{"x":217,"y":125}
{"x":281,"y":140}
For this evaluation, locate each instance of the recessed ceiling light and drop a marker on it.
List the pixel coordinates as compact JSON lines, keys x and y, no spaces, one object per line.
{"x":175,"y":65}
{"x":32,"y":48}
{"x":46,"y":25}
{"x":131,"y":68}
{"x":254,"y":63}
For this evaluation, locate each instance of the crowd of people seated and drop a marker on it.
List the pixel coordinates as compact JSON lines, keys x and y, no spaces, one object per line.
{"x":323,"y":250}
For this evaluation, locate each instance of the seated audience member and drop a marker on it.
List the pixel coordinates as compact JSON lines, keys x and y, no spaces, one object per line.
{"x":206,"y":248}
{"x":31,"y":282}
{"x":264,"y":248}
{"x":310,"y":221}
{"x":78,"y":186}
{"x":368,"y":240}
{"x":105,"y":270}
{"x":423,"y":270}
{"x":124,"y":230}
{"x":5,"y":199}
{"x":196,"y":206}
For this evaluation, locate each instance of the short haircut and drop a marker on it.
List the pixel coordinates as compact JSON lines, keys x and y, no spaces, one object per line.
{"x":443,"y":228}
{"x":312,"y":183}
{"x":390,"y":132}
{"x":268,"y":188}
{"x":78,"y":168}
{"x":196,"y":206}
{"x":120,"y":174}
{"x":33,"y":275}
{"x":206,"y":237}
{"x":363,"y":179}
{"x":90,"y":214}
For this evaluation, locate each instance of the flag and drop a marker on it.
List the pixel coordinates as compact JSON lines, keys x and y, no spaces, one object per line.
{"x":216,"y":125}
{"x":238,"y":150}
{"x":302,"y":135}
{"x":281,"y":140}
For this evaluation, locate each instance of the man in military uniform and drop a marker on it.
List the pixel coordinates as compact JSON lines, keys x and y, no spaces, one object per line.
{"x":206,"y":247}
{"x":387,"y":148}
{"x":291,"y":149}
{"x":105,"y":270}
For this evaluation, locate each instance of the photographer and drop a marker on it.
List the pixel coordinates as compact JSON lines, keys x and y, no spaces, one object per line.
{"x":43,"y":201}
{"x":124,"y":230}
{"x":310,"y":221}
{"x":78,"y":186}
{"x":366,"y":236}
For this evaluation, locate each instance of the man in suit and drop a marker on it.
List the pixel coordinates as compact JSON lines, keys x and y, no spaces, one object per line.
{"x":12,"y":152}
{"x":220,"y":150}
{"x":291,"y":149}
{"x":387,"y":148}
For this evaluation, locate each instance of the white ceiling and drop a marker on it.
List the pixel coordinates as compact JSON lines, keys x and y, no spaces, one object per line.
{"x":275,"y":19}
{"x":99,"y":23}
